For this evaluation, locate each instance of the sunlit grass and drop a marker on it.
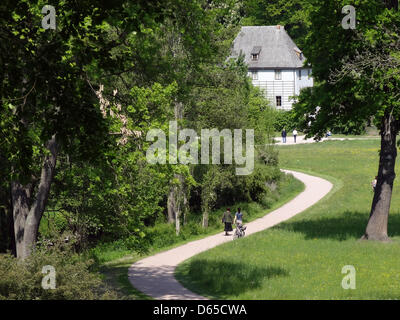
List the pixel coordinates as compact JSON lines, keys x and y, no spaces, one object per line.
{"x":303,"y":257}
{"x":114,"y":259}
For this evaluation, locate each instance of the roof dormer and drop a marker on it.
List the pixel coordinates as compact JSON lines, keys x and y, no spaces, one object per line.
{"x":299,"y":53}
{"x":255,"y":53}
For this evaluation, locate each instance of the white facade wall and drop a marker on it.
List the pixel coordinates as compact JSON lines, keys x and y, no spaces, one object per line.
{"x":305,"y":80}
{"x":286,"y":88}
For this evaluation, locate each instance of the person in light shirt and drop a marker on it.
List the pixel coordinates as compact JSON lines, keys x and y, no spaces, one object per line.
{"x":294,"y":135}
{"x":238,"y":220}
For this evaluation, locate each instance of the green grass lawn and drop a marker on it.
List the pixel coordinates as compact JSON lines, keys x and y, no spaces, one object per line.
{"x":114,"y":260}
{"x":303,"y":258}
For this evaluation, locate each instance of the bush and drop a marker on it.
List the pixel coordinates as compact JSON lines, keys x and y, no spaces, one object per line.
{"x":22,"y":280}
{"x":285,"y":119}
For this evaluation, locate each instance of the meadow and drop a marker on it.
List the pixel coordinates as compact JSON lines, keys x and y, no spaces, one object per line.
{"x":303,"y":257}
{"x":113,"y":259}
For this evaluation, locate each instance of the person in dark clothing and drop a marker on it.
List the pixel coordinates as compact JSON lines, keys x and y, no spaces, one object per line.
{"x":284,"y":135}
{"x":227,"y":219}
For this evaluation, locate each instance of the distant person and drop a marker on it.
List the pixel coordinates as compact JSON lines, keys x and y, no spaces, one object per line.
{"x":284,"y":135}
{"x":373,"y":183}
{"x":238,"y":217}
{"x":328,"y":134}
{"x":294,"y":135}
{"x":227,"y":219}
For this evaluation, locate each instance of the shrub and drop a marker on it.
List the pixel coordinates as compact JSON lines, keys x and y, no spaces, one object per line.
{"x":22,"y":280}
{"x":285,"y":119}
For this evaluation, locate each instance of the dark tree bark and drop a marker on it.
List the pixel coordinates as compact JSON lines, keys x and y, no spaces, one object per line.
{"x":6,"y":222}
{"x":379,"y":215}
{"x":28,"y":210}
{"x":20,"y":202}
{"x":392,"y":4}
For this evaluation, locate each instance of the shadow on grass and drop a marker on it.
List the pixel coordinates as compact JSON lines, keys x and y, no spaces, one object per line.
{"x":348,"y":225}
{"x":224,"y":278}
{"x":116,"y":278}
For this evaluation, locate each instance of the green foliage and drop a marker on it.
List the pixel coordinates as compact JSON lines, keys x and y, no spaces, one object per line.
{"x":285,"y":119}
{"x":221,"y":186}
{"x":163,"y":235}
{"x":21,"y":280}
{"x":293,"y":14}
{"x":353,"y":83}
{"x":109,"y":70}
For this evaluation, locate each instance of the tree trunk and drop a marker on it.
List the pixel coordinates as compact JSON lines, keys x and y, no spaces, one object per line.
{"x":185,"y":207}
{"x":6,"y":222}
{"x":205,"y":218}
{"x":27,"y":212}
{"x":176,"y":202}
{"x":20,"y":202}
{"x":177,"y":220}
{"x":378,"y":219}
{"x":171,"y":205}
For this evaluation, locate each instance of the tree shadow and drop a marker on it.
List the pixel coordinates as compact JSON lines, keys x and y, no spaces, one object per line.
{"x":222,"y":279}
{"x":351,"y":224}
{"x":115,"y":277}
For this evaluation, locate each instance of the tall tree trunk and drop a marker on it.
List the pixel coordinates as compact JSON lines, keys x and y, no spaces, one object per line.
{"x":177,"y":201}
{"x":177,"y":219}
{"x":185,"y":207}
{"x":378,"y":219}
{"x":178,"y":191}
{"x":6,"y":222}
{"x":27,"y":212}
{"x":205,"y":217}
{"x":21,"y":196}
{"x":171,"y":207}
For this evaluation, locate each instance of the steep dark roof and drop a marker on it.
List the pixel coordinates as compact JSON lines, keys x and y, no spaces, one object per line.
{"x":276,"y":48}
{"x":256,"y":50}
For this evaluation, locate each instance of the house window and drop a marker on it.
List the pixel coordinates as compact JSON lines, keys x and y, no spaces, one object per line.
{"x":300,"y":74}
{"x":278,"y":74}
{"x":278,"y":101}
{"x":254,"y":75}
{"x":255,"y":53}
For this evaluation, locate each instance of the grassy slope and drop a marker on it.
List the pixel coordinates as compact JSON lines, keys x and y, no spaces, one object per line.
{"x":303,"y":257}
{"x":116,"y":261}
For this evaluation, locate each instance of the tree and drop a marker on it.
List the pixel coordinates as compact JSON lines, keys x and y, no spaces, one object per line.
{"x":47,"y":105}
{"x":357,"y":81}
{"x":293,"y":14}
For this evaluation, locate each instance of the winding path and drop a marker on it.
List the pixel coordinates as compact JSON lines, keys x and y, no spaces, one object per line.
{"x":154,"y":275}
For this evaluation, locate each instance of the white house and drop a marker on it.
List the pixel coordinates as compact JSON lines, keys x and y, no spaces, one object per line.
{"x":275,"y":63}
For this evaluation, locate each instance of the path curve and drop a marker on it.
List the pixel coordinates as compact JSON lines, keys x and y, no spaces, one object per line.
{"x":154,"y":275}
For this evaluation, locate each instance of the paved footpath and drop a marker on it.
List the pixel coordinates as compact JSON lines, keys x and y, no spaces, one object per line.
{"x":154,"y":275}
{"x":302,"y":140}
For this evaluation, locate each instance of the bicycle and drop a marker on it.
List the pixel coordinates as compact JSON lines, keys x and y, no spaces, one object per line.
{"x":240,"y":231}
